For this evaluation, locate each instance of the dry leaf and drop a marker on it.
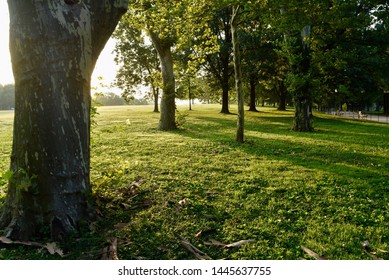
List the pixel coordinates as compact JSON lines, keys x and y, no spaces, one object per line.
{"x":381,"y":251}
{"x":53,"y":249}
{"x":120,"y":226}
{"x":192,"y":249}
{"x":312,"y":253}
{"x":204,"y":232}
{"x":214,"y":242}
{"x":183,"y":202}
{"x":5,"y":240}
{"x":238,"y":244}
{"x":110,"y":252}
{"x":126,"y":206}
{"x":164,"y":248}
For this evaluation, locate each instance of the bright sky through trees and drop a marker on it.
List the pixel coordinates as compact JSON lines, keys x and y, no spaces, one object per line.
{"x":105,"y":66}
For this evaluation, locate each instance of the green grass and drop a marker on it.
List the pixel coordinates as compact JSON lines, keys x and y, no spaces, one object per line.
{"x":327,"y":190}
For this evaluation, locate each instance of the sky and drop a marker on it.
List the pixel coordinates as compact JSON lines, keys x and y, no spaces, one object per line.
{"x":105,"y":66}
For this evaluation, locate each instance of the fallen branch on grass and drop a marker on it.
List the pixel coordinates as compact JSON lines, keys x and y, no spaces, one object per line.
{"x":312,"y":253}
{"x":192,"y":249}
{"x":50,"y":247}
{"x":237,"y":244}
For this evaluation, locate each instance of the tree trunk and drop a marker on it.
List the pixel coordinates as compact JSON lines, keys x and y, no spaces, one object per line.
{"x":386,"y":103}
{"x":156,"y":96}
{"x":189,"y":94}
{"x":282,"y":97}
{"x":302,"y":117}
{"x":168,"y":103}
{"x":225,"y":99}
{"x":54,"y":47}
{"x":238,"y":74}
{"x":253,"y":95}
{"x":302,"y":99}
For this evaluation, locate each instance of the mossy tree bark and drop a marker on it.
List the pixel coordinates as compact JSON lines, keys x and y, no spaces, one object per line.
{"x":54,"y":46}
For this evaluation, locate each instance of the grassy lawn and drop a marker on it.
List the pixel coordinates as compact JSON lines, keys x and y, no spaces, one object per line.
{"x":327,"y":190}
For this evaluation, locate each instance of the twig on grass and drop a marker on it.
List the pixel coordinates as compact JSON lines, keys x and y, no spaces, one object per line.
{"x":192,"y":249}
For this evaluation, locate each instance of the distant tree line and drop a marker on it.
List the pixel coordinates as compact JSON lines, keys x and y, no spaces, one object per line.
{"x":7,"y":97}
{"x":112,"y":99}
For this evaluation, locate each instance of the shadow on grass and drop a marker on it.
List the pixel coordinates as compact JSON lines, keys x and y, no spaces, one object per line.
{"x":340,"y":147}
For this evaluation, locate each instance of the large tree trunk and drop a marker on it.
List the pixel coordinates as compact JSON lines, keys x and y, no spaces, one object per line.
{"x":54,"y":47}
{"x":302,"y":98}
{"x":303,"y":116}
{"x":238,"y":74}
{"x":168,"y":103}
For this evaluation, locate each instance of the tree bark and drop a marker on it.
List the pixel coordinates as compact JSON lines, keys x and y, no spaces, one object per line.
{"x":225,"y":59}
{"x":156,"y":96}
{"x":386,"y":103}
{"x":282,"y":94}
{"x":168,"y":103}
{"x":225,"y":98}
{"x":302,"y":118}
{"x":238,"y":74}
{"x":302,"y":99}
{"x":253,"y":95}
{"x":54,"y":47}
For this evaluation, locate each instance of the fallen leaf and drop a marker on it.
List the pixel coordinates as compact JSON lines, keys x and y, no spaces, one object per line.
{"x":373,"y":256}
{"x":192,"y":249}
{"x":183,"y":202}
{"x":53,"y":249}
{"x":5,"y":240}
{"x":204,"y":232}
{"x":120,"y":226}
{"x":365,"y":244}
{"x":214,"y":242}
{"x":238,"y":244}
{"x":110,"y":252}
{"x":126,"y":206}
{"x":382,"y":251}
{"x":164,"y":248}
{"x":312,"y":253}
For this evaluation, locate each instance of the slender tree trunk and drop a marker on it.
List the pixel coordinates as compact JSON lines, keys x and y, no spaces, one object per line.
{"x":189,"y":95}
{"x":156,"y":96}
{"x":168,"y":104}
{"x":282,"y":97}
{"x":54,"y":47}
{"x":386,"y":103}
{"x":225,"y":95}
{"x":238,"y":74}
{"x":253,"y":95}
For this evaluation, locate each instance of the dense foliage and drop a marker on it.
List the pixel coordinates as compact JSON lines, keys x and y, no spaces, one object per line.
{"x":324,"y":54}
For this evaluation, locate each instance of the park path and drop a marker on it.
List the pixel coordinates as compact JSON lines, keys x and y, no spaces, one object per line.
{"x":353,"y":115}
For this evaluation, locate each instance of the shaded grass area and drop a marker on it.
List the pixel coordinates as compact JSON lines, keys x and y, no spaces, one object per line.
{"x":327,"y":190}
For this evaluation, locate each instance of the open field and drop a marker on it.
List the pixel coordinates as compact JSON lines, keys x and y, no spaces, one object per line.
{"x":327,"y":190}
